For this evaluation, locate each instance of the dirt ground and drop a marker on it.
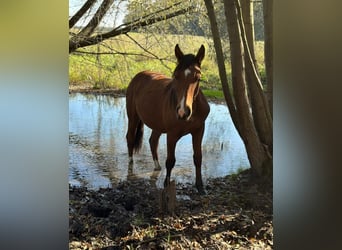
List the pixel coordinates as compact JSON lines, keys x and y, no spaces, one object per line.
{"x":235,"y":213}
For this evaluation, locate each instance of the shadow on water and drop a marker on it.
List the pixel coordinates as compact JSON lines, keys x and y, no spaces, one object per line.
{"x":98,"y":153}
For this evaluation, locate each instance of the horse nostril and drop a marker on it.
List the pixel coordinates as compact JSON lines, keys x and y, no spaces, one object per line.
{"x":187,"y":112}
{"x":184,"y":113}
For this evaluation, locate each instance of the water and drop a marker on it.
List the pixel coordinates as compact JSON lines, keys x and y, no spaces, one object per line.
{"x":98,"y":153}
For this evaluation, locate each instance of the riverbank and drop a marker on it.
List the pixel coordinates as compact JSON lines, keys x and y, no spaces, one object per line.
{"x":87,"y":88}
{"x":236,"y":213}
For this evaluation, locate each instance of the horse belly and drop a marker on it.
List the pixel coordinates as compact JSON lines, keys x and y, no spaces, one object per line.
{"x":150,"y":113}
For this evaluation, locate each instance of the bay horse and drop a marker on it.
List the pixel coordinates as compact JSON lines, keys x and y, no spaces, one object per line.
{"x":175,"y":106}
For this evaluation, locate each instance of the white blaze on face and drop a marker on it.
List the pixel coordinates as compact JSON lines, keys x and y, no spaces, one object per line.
{"x":181,"y":110}
{"x":187,"y":72}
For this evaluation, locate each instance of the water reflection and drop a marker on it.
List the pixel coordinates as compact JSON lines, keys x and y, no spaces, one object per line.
{"x":98,"y":153}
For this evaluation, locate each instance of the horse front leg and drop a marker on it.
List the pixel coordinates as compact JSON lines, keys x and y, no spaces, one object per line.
{"x":154,"y":139}
{"x":170,"y":160}
{"x":197,"y":137}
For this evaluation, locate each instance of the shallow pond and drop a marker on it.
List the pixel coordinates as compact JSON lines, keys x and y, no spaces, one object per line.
{"x":98,"y":153}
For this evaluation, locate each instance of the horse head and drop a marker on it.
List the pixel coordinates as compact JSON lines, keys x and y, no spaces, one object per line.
{"x":186,"y":86}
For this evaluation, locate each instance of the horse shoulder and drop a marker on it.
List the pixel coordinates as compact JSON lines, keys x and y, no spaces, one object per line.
{"x":203,"y":104}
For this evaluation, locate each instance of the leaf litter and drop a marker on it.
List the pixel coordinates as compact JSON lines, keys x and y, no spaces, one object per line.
{"x":236,"y":213}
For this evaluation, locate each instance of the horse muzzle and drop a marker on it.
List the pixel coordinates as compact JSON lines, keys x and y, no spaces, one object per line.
{"x":184,"y":113}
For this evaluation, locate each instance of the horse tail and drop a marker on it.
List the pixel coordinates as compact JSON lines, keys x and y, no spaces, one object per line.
{"x":138,"y":137}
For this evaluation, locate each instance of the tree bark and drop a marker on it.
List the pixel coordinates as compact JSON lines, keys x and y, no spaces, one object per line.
{"x":95,"y":21}
{"x":258,"y":156}
{"x":248,"y":20}
{"x":259,"y":105}
{"x":86,"y":6}
{"x":268,"y":35}
{"x":220,"y":62}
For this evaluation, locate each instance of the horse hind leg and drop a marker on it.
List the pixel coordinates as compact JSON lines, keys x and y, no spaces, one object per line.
{"x":134,"y":135}
{"x":154,"y":139}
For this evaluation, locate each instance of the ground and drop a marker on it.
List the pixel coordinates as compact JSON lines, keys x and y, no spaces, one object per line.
{"x":235,"y":213}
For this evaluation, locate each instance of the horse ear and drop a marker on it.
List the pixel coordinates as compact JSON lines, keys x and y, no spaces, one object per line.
{"x":200,"y":54}
{"x":179,"y":54}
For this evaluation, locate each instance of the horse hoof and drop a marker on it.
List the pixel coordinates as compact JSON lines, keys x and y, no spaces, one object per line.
{"x":157,"y":167}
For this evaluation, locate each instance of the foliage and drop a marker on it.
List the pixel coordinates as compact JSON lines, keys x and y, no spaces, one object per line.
{"x":193,"y":23}
{"x":123,"y":57}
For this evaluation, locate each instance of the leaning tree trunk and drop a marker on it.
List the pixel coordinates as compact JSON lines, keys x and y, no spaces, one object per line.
{"x":260,"y":108}
{"x":248,"y":21}
{"x":220,"y":63}
{"x":258,"y":155}
{"x":268,"y":34}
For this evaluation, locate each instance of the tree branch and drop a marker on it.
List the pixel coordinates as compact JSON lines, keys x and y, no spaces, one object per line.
{"x":149,"y":52}
{"x":86,"y":6}
{"x":78,"y":42}
{"x":94,"y":22}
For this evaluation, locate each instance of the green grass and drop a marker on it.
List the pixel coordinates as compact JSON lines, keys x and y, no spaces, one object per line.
{"x":215,"y":94}
{"x":126,"y":58}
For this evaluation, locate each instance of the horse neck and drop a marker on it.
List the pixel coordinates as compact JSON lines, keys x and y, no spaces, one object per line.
{"x":171,"y":92}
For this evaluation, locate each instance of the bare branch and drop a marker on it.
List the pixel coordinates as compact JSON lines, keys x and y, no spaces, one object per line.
{"x":149,"y":52}
{"x":76,"y":42}
{"x":80,"y":52}
{"x":86,"y":6}
{"x":147,"y":16}
{"x":94,"y":22}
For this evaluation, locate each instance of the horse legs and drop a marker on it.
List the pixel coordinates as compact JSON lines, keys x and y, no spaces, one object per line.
{"x":197,"y":137}
{"x":170,"y":160}
{"x":154,"y":139}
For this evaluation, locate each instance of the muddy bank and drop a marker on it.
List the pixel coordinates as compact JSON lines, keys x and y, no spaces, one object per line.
{"x":87,"y":88}
{"x":235,"y":213}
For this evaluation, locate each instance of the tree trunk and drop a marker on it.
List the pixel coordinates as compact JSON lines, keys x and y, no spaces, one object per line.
{"x":248,"y":20}
{"x":268,"y":34}
{"x":220,"y":62}
{"x":259,"y":105}
{"x":259,"y":157}
{"x":86,"y":6}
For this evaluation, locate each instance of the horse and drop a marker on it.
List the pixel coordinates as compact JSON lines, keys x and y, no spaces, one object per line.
{"x":175,"y":106}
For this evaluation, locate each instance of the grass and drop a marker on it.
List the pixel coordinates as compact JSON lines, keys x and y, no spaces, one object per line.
{"x":216,"y":94}
{"x":122,"y":58}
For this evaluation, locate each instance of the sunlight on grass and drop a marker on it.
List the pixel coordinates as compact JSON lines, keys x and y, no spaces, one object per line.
{"x":122,"y":58}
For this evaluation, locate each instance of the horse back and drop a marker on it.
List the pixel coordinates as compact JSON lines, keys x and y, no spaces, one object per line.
{"x":146,"y":95}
